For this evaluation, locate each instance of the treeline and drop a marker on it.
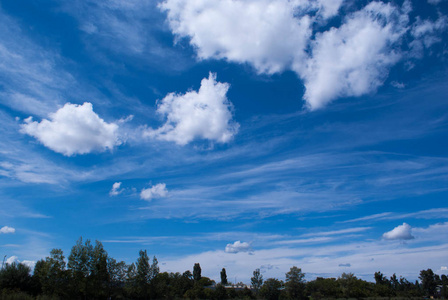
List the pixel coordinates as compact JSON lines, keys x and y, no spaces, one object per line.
{"x":90,"y":273}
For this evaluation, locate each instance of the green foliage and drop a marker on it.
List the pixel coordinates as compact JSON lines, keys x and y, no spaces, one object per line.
{"x":295,"y":283}
{"x":223,"y":276}
{"x":143,"y":274}
{"x":256,"y":280}
{"x":99,"y":276}
{"x":324,"y":288}
{"x":197,"y":272}
{"x":271,"y":289}
{"x":154,"y":268}
{"x":353,"y":287}
{"x":383,"y":287}
{"x":429,"y":282}
{"x":92,"y":274}
{"x":14,"y":295}
{"x":51,"y":274}
{"x":220,"y":292}
{"x":80,"y":266}
{"x":15,"y":276}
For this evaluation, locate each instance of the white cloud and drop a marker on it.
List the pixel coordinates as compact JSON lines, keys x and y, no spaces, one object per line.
{"x":12,"y":259}
{"x":74,"y":129}
{"x":7,"y":229}
{"x":205,"y":114}
{"x":401,"y":232}
{"x":156,"y":191}
{"x":435,"y":231}
{"x":329,"y":9}
{"x":115,"y":189}
{"x":15,"y":259}
{"x":238,"y":246}
{"x":263,"y":33}
{"x":337,"y":232}
{"x":276,"y":35}
{"x":353,"y":59}
{"x":398,"y":85}
{"x":31,"y":76}
{"x":426,"y":33}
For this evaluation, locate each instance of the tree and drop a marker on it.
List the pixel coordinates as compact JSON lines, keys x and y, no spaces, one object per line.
{"x":395,"y":284}
{"x":154,"y":269}
{"x":380,"y":278}
{"x":143,"y":273}
{"x":383,"y":286}
{"x":353,"y":287}
{"x":131,"y":281}
{"x":15,"y":276}
{"x":444,"y":291}
{"x":223,"y":276}
{"x":324,"y":288}
{"x":271,"y":289}
{"x":429,"y":282}
{"x":80,"y":266}
{"x":99,"y":274}
{"x":256,"y":280}
{"x":295,"y":283}
{"x":117,"y":277}
{"x":197,"y":272}
{"x":51,"y":274}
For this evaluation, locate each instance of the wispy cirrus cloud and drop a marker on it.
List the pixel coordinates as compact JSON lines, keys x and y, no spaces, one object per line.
{"x":126,"y":30}
{"x":434,"y":213}
{"x":285,"y":186}
{"x":32,"y":80}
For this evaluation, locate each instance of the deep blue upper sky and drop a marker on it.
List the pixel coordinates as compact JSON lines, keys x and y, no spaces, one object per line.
{"x":235,"y":133}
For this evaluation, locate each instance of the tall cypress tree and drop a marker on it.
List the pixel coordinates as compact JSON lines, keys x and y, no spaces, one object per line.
{"x":197,"y":272}
{"x":223,"y":276}
{"x":143,"y":273}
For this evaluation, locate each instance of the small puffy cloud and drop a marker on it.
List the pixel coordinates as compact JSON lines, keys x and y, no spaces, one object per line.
{"x":345,"y":265}
{"x":12,"y":259}
{"x":115,"y":189}
{"x":206,"y":114}
{"x":74,"y":129}
{"x":7,"y":229}
{"x":443,"y":268}
{"x":238,"y":246}
{"x":401,"y":232}
{"x":156,"y":191}
{"x":15,"y":259}
{"x":398,"y":85}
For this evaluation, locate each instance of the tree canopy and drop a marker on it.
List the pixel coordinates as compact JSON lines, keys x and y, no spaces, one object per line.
{"x":90,"y":273}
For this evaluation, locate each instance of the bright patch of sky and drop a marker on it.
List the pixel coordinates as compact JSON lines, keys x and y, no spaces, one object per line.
{"x":234,"y":133}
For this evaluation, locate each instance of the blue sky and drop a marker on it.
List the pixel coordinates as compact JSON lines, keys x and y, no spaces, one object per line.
{"x":235,"y":133}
